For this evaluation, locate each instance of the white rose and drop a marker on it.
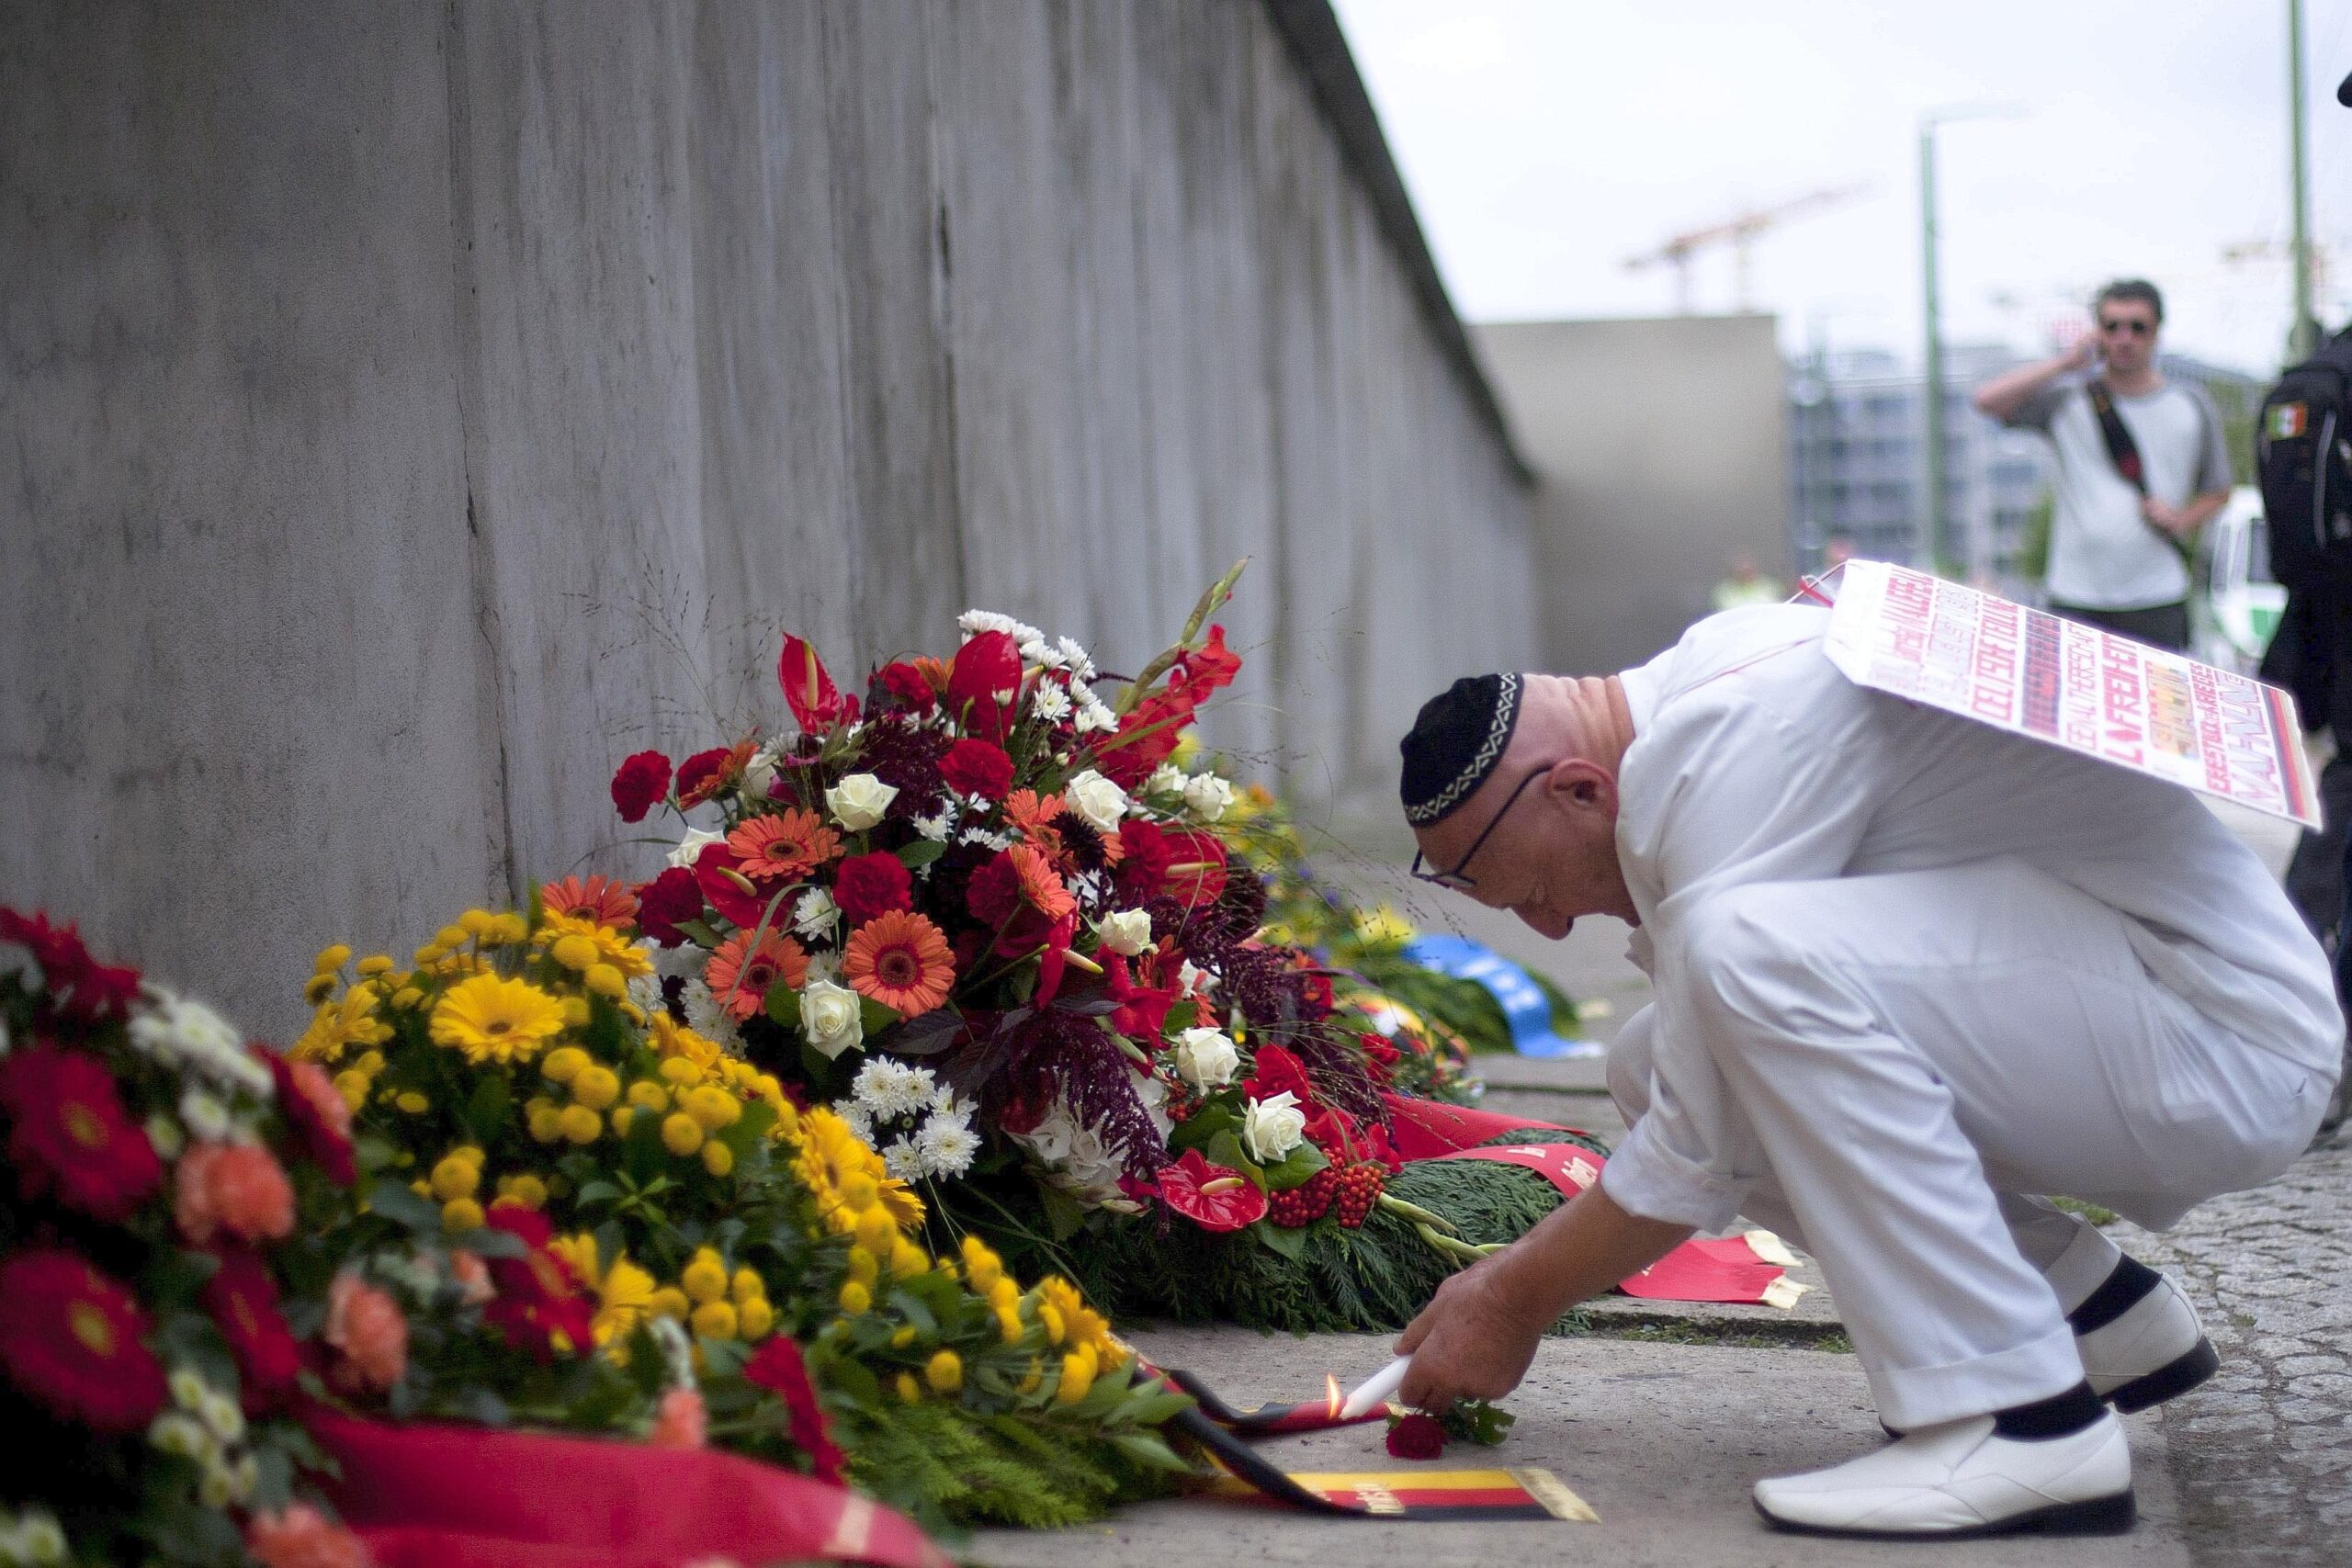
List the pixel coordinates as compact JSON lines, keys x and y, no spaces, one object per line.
{"x":1271,"y":1128}
{"x":691,"y":847}
{"x":859,"y":801}
{"x":1126,"y":932}
{"x":1166,"y":779}
{"x":830,"y":1020}
{"x":1208,"y":796}
{"x":1097,"y":800}
{"x":1206,"y":1059}
{"x":758,"y":773}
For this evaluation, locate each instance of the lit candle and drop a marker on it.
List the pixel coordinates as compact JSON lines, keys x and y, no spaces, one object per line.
{"x":1375,"y":1389}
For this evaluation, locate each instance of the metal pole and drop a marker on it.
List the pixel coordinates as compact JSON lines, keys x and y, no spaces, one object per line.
{"x":2302,"y":337}
{"x":1931,"y":386}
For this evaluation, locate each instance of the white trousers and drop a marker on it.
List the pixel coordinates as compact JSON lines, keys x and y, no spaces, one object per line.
{"x":1912,"y":1059}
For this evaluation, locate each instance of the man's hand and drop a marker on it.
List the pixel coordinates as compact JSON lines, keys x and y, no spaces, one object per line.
{"x":2172,"y":520}
{"x":1471,"y":1342}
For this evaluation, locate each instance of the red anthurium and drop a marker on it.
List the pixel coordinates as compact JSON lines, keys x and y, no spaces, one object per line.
{"x":984,"y":683}
{"x":742,"y":900}
{"x":1051,"y":961}
{"x":816,"y":702}
{"x":1214,"y":1197}
{"x":1196,"y":867}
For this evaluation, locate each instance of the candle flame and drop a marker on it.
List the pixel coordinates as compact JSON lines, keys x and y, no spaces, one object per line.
{"x":1333,"y":1399}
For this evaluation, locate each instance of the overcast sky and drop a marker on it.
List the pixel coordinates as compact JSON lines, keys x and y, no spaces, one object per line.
{"x":1546,"y":141}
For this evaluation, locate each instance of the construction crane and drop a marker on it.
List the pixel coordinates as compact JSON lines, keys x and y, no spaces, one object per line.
{"x":1737,"y":233}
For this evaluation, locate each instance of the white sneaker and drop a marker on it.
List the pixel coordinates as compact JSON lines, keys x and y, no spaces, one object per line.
{"x":1960,"y":1479}
{"x":2154,"y":1352}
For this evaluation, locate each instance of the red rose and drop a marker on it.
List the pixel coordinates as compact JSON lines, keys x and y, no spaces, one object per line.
{"x":1212,"y":1196}
{"x":778,"y":1368}
{"x":672,"y":896}
{"x":70,"y":1136}
{"x":908,"y":684}
{"x":242,"y":1300}
{"x":317,"y":1112}
{"x":976,"y":767}
{"x":869,"y":884}
{"x":1275,"y":1071}
{"x":72,"y":1339}
{"x":702,"y":775}
{"x":816,"y":702}
{"x":1415,"y":1437}
{"x":984,"y":684}
{"x":1205,"y":670}
{"x":640,"y":784}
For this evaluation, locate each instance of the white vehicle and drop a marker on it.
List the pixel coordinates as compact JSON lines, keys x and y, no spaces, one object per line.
{"x":2238,"y":612}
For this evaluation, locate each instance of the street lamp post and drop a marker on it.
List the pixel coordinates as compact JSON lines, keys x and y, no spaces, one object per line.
{"x":2302,"y":337}
{"x":1940,"y":546}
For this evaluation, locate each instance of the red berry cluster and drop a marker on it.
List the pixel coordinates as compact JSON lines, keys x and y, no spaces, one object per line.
{"x":1307,"y":1202}
{"x":1358,"y":1189}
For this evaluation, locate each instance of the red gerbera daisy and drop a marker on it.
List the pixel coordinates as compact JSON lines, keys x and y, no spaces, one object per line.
{"x":788,"y":845}
{"x":599,"y":898}
{"x":242,"y":1300}
{"x":901,"y":961}
{"x":73,"y":1338}
{"x":70,"y":1136}
{"x":741,"y":982}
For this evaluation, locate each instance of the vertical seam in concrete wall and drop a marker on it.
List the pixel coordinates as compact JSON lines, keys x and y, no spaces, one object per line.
{"x":481,"y":561}
{"x":943,"y":305}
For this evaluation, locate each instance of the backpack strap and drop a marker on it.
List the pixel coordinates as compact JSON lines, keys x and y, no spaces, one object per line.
{"x":2121,"y":450}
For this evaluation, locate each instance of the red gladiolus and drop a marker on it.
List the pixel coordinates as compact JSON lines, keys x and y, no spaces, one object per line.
{"x":778,"y":1368}
{"x":539,"y":1308}
{"x":317,"y":1112}
{"x":816,"y":702}
{"x":70,"y":1136}
{"x":1275,"y":1071}
{"x":870,"y":885}
{"x":908,"y":684}
{"x":1416,"y":1437}
{"x":977,"y":767}
{"x":1147,"y":737}
{"x":640,"y":784}
{"x":1380,"y":1055}
{"x":72,"y":1339}
{"x":672,"y":896}
{"x":242,"y":1300}
{"x":1207,"y":670}
{"x":1143,"y":998}
{"x":984,"y":684}
{"x":1212,"y":1196}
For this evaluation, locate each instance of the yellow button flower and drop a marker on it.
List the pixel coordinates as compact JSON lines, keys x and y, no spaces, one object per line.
{"x":461,"y":1214}
{"x":681,"y":1133}
{"x":704,"y":1278}
{"x":746,"y":1286}
{"x":581,"y":1125}
{"x":671,"y":1301}
{"x":607,"y":982}
{"x":906,"y":1260}
{"x":877,"y":1232}
{"x":681,"y":1071}
{"x":910,"y":1391}
{"x":856,"y":1298}
{"x":718,"y":1158}
{"x":945,"y":1371}
{"x":712,"y":1106}
{"x":596,"y":1087}
{"x":575,"y":952}
{"x":454,"y":1178}
{"x":564,"y":1064}
{"x":715,"y":1320}
{"x":756,"y":1319}
{"x":647,"y":1095}
{"x":353,"y":1086}
{"x":413,"y":1102}
{"x":332,"y":958}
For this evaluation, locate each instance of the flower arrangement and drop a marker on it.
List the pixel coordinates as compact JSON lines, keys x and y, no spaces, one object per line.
{"x":159,"y":1324}
{"x":614,"y":1222}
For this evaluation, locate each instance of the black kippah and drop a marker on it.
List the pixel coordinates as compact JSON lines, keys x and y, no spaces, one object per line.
{"x":1455,"y":741}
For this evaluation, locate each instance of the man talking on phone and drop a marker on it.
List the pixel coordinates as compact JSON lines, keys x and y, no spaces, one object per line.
{"x":2140,"y":468}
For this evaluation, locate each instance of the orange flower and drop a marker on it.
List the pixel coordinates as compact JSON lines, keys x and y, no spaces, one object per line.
{"x":1028,"y":811}
{"x":900,"y":960}
{"x":234,"y":1186}
{"x":298,"y":1535}
{"x":366,"y":1325}
{"x":741,"y":983}
{"x":598,"y":898}
{"x":1041,"y":889}
{"x":790,"y":845}
{"x":680,"y":1420}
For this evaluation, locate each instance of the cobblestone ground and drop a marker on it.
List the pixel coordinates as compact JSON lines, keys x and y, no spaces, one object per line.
{"x":2262,"y":1455}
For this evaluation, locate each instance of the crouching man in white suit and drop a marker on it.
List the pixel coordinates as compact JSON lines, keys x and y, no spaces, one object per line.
{"x":1911,"y":974}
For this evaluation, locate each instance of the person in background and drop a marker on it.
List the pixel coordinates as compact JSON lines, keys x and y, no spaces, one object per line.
{"x":2142,"y":466}
{"x":1746,"y":586}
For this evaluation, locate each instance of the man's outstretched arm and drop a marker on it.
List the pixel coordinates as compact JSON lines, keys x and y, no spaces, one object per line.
{"x":1477,"y":1334}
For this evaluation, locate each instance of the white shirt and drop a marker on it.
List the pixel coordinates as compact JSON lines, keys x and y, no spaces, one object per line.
{"x":1753,"y":759}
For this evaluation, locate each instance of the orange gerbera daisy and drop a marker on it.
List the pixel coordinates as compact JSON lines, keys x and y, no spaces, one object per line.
{"x":601,"y":899}
{"x":900,"y":960}
{"x":790,"y":845}
{"x":1041,"y":889}
{"x":740,"y":974}
{"x":1028,"y":811}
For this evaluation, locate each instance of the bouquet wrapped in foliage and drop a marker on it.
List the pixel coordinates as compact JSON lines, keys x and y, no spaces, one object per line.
{"x":983,"y":913}
{"x":626,"y":1226}
{"x":160,"y":1321}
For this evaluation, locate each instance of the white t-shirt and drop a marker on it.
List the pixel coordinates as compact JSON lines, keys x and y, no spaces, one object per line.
{"x":1752,"y":760}
{"x":2103,"y":553}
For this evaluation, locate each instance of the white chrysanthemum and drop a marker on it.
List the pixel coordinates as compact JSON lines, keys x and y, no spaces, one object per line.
{"x":205,"y":1115}
{"x":982,"y":836}
{"x":1050,"y":658}
{"x":174,"y":1030}
{"x":816,"y":915}
{"x":1050,"y":703}
{"x":1095,"y":717}
{"x":1080,"y":663}
{"x":1194,"y":981}
{"x":891,"y":1089}
{"x":903,"y":1159}
{"x":645,"y":991}
{"x":823,"y":966}
{"x":946,"y":1147}
{"x":707,"y":1018}
{"x":937,"y":826}
{"x":972,"y":623}
{"x":857,"y":1118}
{"x":945,"y":1103}
{"x":683,"y":962}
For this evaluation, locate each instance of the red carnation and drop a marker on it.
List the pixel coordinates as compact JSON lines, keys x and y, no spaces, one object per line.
{"x":73,"y":1338}
{"x":539,"y":1308}
{"x":977,"y":767}
{"x":1275,"y":1071}
{"x":701,"y":777}
{"x":1212,"y":1196}
{"x":672,"y":896}
{"x":816,"y":702}
{"x":1415,"y":1437}
{"x":778,"y":1368}
{"x":640,"y":784}
{"x":1144,"y":869}
{"x":870,"y":885}
{"x":70,"y":1136}
{"x":1207,"y":670}
{"x":317,"y":1112}
{"x":242,"y":1300}
{"x":908,"y":684}
{"x":993,"y":894}
{"x":984,"y":685}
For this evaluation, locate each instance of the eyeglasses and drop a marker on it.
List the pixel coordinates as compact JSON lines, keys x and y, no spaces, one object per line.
{"x":1454,"y":878}
{"x":2132,"y":324}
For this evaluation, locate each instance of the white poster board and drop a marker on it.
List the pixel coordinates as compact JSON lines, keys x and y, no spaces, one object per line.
{"x":2031,"y":673}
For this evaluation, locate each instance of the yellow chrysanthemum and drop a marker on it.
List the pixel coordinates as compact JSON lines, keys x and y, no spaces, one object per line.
{"x":829,"y":1153}
{"x":491,"y":1018}
{"x":603,"y":944}
{"x":625,"y":1293}
{"x":339,"y":1024}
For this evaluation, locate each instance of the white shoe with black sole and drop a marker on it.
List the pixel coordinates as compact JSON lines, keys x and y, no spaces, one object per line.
{"x":2140,"y":1339}
{"x":1962,"y":1479}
